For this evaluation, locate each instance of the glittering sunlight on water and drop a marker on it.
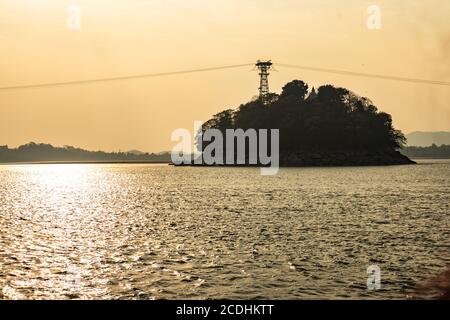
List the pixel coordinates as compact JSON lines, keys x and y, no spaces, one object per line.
{"x":156,"y":231}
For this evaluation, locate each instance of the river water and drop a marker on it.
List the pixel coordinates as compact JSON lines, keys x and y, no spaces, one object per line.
{"x":129,"y":231}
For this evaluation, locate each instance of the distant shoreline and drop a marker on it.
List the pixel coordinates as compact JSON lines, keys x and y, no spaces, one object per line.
{"x":81,"y":162}
{"x":172,"y":164}
{"x":42,"y":153}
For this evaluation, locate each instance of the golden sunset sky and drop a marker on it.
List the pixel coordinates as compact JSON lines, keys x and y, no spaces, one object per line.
{"x":126,"y":37}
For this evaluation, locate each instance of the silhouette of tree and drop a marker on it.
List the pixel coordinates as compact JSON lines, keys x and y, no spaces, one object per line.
{"x":296,"y":88}
{"x":334,"y":119}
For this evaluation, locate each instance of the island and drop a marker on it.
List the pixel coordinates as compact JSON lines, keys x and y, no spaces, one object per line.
{"x":330,"y":126}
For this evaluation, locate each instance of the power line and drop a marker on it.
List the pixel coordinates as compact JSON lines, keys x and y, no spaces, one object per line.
{"x":139,"y":76}
{"x":366,"y":75}
{"x":151,"y":75}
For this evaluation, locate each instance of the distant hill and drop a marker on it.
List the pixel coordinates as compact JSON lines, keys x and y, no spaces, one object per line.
{"x":431,"y":152}
{"x":426,"y":139}
{"x":136,"y":152}
{"x":40,"y":152}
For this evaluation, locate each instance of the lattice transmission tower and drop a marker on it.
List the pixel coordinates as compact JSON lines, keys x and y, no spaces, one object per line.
{"x":264,"y":67}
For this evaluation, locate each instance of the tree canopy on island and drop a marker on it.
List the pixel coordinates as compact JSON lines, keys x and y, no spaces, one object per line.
{"x":333,"y":118}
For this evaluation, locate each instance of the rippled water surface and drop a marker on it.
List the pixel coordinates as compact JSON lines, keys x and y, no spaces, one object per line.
{"x":156,"y":231}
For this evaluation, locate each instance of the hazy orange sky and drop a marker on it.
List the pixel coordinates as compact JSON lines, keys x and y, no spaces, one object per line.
{"x":125,"y":37}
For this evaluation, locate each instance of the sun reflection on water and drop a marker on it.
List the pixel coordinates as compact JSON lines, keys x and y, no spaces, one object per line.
{"x":59,"y":249}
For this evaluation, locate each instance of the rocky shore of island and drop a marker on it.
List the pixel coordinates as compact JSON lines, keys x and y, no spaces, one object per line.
{"x":343,"y":158}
